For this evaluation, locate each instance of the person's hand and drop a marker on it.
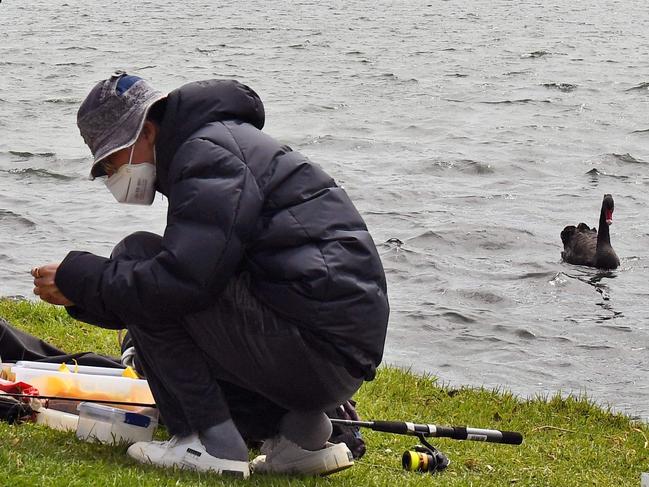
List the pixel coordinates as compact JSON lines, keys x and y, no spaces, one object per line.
{"x":44,"y":286}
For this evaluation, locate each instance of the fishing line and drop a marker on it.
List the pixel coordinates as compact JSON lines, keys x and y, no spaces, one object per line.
{"x":76,"y":399}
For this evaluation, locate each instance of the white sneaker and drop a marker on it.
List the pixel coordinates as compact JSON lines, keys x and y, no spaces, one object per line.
{"x":187,"y":452}
{"x":282,"y":456}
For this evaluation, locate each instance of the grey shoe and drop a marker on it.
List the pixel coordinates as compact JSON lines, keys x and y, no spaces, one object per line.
{"x":282,"y":456}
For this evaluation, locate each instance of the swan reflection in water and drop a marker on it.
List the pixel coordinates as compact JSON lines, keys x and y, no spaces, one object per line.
{"x":598,"y":282}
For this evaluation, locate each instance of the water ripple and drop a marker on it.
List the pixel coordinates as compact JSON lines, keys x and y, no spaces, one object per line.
{"x":31,"y":172}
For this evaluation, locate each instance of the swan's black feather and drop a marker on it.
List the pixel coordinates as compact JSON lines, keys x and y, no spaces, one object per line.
{"x":583,"y":245}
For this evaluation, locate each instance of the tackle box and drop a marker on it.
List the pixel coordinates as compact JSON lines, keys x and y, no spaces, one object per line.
{"x":105,"y":424}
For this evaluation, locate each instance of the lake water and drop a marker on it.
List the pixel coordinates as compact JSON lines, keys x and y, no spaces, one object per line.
{"x":468,"y":133}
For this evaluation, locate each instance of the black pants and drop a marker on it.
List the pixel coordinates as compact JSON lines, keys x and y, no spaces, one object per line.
{"x":236,"y":359}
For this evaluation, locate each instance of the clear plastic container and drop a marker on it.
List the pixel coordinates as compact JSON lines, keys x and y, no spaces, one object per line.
{"x":111,"y":425}
{"x":59,"y":420}
{"x":77,"y":369}
{"x":85,"y":386}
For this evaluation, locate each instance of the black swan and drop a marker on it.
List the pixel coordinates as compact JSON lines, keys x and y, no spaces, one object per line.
{"x":586,"y":246}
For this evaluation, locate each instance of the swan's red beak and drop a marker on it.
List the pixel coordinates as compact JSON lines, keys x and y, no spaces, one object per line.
{"x":609,"y":217}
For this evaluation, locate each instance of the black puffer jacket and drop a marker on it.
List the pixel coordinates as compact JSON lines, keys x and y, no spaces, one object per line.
{"x":239,"y":201}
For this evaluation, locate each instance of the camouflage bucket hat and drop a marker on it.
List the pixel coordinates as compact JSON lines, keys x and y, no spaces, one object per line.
{"x":112,"y":115}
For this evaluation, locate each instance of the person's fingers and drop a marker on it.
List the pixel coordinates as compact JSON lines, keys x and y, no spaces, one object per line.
{"x":44,"y":270}
{"x":58,"y":298}
{"x":45,"y":287}
{"x":44,"y":281}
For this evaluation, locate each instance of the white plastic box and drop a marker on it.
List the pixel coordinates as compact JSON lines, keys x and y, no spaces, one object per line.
{"x":110,"y":425}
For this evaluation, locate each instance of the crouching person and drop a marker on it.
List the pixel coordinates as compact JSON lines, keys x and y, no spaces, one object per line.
{"x":265,"y":290}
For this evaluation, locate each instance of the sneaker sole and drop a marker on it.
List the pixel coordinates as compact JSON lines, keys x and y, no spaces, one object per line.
{"x":339,"y":469}
{"x":344,"y":460}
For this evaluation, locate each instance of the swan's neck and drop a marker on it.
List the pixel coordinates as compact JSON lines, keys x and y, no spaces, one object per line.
{"x":603,"y":235}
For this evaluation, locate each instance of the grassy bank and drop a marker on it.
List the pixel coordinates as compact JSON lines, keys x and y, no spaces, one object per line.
{"x":568,"y":441}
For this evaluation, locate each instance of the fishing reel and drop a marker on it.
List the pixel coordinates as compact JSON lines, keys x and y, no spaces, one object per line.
{"x":424,"y":458}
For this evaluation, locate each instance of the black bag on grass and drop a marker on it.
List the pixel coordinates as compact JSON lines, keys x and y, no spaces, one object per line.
{"x":13,"y":410}
{"x":17,"y":345}
{"x":350,"y":435}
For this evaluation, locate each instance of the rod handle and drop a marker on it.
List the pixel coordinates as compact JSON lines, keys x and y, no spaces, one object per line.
{"x":397,"y":427}
{"x":455,"y":432}
{"x":477,"y":434}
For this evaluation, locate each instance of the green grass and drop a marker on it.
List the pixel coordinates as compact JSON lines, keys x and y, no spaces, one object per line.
{"x":569,"y":441}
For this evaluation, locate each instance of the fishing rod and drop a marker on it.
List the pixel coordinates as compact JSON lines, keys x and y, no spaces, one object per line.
{"x":76,"y":399}
{"x":433,"y":430}
{"x":425,"y":457}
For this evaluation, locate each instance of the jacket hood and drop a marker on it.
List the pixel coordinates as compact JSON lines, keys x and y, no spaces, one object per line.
{"x":196,"y":104}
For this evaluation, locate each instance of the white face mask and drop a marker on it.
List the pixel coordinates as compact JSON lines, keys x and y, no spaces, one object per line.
{"x":134,"y":184}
